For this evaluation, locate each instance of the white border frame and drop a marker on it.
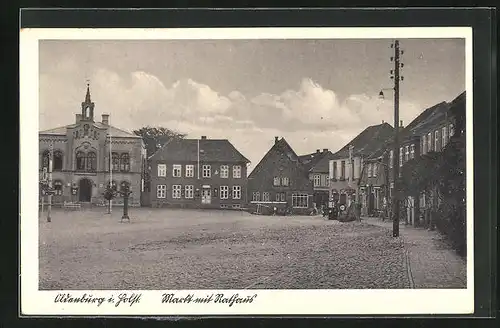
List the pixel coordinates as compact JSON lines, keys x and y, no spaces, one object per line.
{"x":282,"y":302}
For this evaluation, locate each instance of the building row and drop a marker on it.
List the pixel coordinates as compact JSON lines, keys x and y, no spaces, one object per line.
{"x":88,"y":156}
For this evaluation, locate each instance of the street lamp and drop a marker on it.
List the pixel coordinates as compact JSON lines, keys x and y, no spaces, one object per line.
{"x":381,"y":93}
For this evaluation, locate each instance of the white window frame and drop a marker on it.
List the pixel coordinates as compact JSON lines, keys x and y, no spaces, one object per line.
{"x":283,"y":196}
{"x":189,"y":191}
{"x":429,"y":142}
{"x":436,"y":140}
{"x":176,"y":191}
{"x":161,"y":191}
{"x":224,"y":171}
{"x":444,"y":136}
{"x":391,"y":159}
{"x":400,"y":156}
{"x":412,"y":151}
{"x":207,"y":171}
{"x":236,"y":171}
{"x":285,"y":181}
{"x":177,"y":170}
{"x":298,"y":200}
{"x":189,"y":171}
{"x":236,"y":192}
{"x":162,"y":170}
{"x":424,"y":144}
{"x":265,"y":196}
{"x":317,"y":180}
{"x":391,"y":189}
{"x":224,"y":192}
{"x":451,"y":128}
{"x":369,"y":170}
{"x":276,"y":181}
{"x":256,"y":196}
{"x":407,"y":153}
{"x":374,"y":171}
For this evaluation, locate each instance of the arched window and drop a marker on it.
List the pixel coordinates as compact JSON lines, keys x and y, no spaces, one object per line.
{"x":58,"y":161}
{"x":86,"y":129}
{"x":125,"y":162}
{"x":124,"y":185}
{"x":80,"y":161}
{"x":91,"y":161}
{"x":58,"y":187}
{"x":45,"y":159}
{"x":116,"y":162}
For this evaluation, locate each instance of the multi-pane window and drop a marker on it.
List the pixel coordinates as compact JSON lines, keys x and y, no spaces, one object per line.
{"x":58,"y":188}
{"x":189,"y":171}
{"x":115,"y":162}
{"x":452,"y":130}
{"x":224,"y":171}
{"x":161,"y":191}
{"x":125,"y":162}
{"x":80,"y":161}
{"x":57,"y":164}
{"x":207,"y":173}
{"x":317,"y":180}
{"x":424,"y":144}
{"x":391,"y":158}
{"x":256,"y":196}
{"x":335,"y":170}
{"x":276,"y":181}
{"x":162,"y":170}
{"x":300,"y":200}
{"x":236,"y":171}
{"x":429,"y":142}
{"x":224,"y":192}
{"x":407,"y":153}
{"x":436,"y":140}
{"x":369,"y":165}
{"x":188,"y":191}
{"x":401,"y":156}
{"x":412,"y":151}
{"x":236,"y":192}
{"x":375,"y":167}
{"x":91,"y":161}
{"x":265,"y":196}
{"x":177,"y":171}
{"x":444,"y":136}
{"x":176,"y":191}
{"x":284,"y":181}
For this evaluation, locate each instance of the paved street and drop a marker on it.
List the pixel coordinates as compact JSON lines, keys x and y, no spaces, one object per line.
{"x":189,"y":249}
{"x":432,"y":262}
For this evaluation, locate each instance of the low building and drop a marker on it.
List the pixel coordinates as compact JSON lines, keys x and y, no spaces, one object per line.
{"x":198,"y":173}
{"x":280,"y":181}
{"x":87,"y":156}
{"x":316,"y":164}
{"x":345,"y":166}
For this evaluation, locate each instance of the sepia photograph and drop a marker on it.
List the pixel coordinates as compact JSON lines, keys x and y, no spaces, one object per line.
{"x":237,"y":163}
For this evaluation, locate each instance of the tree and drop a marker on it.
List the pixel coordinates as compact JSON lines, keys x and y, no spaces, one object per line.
{"x":155,"y":137}
{"x":109,"y":194}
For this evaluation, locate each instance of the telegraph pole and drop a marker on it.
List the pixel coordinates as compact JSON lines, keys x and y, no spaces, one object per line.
{"x":49,"y":206}
{"x":396,"y":77}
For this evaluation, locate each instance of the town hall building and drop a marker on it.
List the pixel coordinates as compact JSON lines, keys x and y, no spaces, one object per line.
{"x":87,"y":156}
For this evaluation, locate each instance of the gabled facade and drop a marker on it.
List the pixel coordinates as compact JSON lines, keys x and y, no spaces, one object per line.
{"x":346,"y":165}
{"x":280,"y":180}
{"x":198,"y":173}
{"x":317,"y":166}
{"x":88,"y":155}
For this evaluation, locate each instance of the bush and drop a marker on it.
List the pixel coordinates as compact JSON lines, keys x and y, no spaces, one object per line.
{"x":450,"y":220}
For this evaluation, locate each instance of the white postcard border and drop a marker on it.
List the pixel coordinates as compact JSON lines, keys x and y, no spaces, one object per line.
{"x":266,"y":302}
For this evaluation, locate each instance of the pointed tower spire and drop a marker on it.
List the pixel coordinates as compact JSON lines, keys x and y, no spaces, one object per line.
{"x":88,"y":106}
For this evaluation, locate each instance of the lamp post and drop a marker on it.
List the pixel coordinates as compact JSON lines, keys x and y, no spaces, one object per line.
{"x":395,"y":76}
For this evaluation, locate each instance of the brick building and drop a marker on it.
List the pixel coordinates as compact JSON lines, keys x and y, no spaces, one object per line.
{"x":81,"y":158}
{"x":280,"y":180}
{"x":316,"y":164}
{"x":198,"y":173}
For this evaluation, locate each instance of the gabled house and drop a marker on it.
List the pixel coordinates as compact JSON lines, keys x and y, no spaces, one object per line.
{"x":280,"y":180}
{"x":198,"y":173}
{"x":316,"y":165}
{"x":345,"y":166}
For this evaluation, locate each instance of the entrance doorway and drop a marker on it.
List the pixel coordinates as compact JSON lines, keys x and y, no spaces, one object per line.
{"x":206,"y":196}
{"x":85,"y":190}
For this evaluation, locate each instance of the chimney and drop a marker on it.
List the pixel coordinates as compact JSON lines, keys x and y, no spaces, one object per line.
{"x":325,"y":150}
{"x":203,"y":137}
{"x":276,"y":140}
{"x":78,"y":117}
{"x":317,"y":151}
{"x":383,"y":121}
{"x":105,"y":119}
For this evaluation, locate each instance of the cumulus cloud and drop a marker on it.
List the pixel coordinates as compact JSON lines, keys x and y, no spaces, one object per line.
{"x":309,"y":116}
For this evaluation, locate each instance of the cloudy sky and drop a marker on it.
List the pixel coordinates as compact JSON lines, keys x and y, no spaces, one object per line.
{"x":315,"y":93}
